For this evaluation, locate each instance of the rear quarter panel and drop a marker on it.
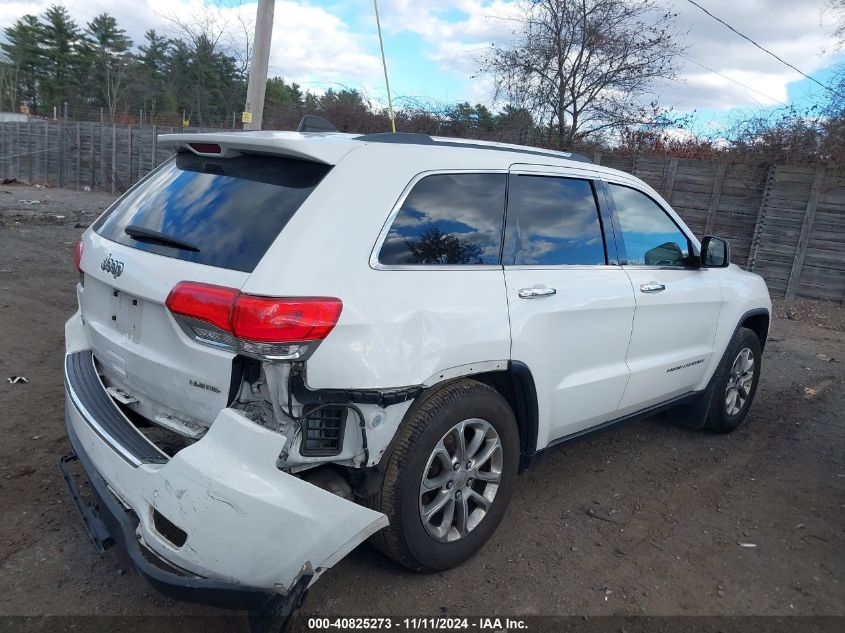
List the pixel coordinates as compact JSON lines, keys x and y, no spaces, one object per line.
{"x":398,"y":327}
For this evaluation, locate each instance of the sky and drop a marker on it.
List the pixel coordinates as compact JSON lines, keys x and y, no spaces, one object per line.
{"x":432,"y":46}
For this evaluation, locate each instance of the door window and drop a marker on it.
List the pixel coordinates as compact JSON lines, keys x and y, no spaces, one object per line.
{"x":448,"y":219}
{"x":650,"y":236}
{"x":552,"y":221}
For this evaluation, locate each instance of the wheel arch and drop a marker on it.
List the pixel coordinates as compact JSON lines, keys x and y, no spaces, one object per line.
{"x":516,"y":385}
{"x":758,"y":321}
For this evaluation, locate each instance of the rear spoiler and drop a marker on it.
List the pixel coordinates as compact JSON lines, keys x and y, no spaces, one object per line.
{"x":319,"y":148}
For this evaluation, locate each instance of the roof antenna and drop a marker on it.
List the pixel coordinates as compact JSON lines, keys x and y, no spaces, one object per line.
{"x":384,"y":65}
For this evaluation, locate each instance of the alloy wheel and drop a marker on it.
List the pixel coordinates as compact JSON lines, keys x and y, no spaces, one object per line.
{"x":460,"y":480}
{"x":739,"y":381}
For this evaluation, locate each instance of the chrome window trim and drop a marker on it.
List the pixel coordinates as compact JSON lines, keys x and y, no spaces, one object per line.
{"x":562,"y":266}
{"x":563,"y":171}
{"x":643,"y":267}
{"x":375,"y":264}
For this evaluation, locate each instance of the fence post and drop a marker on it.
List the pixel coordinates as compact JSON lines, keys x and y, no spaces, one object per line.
{"x":713,"y":207}
{"x":129,"y":157}
{"x":140,"y":147}
{"x":113,"y":157}
{"x":78,"y":157}
{"x":804,"y":236}
{"x":46,"y":151}
{"x":669,"y":185}
{"x":93,"y":159}
{"x":61,"y":149}
{"x":596,"y":157}
{"x":29,"y":146}
{"x":155,"y":148}
{"x":18,"y":148}
{"x":761,"y":216}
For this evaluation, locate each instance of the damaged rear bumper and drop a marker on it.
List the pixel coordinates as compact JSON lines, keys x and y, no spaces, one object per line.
{"x":108,"y":521}
{"x":245,"y":532}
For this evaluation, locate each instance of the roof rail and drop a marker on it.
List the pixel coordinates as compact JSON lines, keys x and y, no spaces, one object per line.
{"x":413,"y":138}
{"x":314,"y":123}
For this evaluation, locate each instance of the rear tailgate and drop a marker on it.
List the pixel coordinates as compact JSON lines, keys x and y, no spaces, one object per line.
{"x":136,"y":342}
{"x":201,"y":219}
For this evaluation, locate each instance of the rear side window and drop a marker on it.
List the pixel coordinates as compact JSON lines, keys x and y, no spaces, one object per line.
{"x":222,"y":212}
{"x":448,"y":219}
{"x":552,"y":222}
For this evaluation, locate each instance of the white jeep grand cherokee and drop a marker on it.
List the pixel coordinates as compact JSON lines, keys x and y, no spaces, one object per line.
{"x":287,"y":343}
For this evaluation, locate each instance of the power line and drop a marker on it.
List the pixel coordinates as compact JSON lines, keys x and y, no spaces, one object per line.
{"x":762,"y":48}
{"x":738,"y":83}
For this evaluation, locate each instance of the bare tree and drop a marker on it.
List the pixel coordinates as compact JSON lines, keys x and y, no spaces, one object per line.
{"x":583,"y":67}
{"x":204,"y":39}
{"x":837,"y":10}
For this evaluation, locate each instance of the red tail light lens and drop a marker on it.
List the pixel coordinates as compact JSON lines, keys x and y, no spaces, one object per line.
{"x":77,"y":255}
{"x":279,"y":322}
{"x":205,"y":302}
{"x":287,"y":320}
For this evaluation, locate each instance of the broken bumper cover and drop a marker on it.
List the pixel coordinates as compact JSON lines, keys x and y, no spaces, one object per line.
{"x":109,"y":518}
{"x":248,"y":527}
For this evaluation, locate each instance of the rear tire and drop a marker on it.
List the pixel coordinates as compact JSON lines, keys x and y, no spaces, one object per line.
{"x":735,"y":382}
{"x":440,"y":517}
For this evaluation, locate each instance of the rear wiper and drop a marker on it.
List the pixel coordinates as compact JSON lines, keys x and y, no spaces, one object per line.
{"x":149,"y":235}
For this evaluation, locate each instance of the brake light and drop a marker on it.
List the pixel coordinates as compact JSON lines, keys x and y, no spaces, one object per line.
{"x":205,"y":302}
{"x":77,"y":255}
{"x":269,"y":327}
{"x":287,"y":320}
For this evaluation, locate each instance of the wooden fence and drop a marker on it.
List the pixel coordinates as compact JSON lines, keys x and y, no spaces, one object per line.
{"x":784,"y":222}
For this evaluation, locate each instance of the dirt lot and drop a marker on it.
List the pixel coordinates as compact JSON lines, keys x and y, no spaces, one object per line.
{"x":643,"y":519}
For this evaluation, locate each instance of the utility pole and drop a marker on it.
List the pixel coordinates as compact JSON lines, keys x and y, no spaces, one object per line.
{"x":258,"y":68}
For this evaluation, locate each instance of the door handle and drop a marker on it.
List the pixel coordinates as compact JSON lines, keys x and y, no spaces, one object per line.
{"x":652,"y":287}
{"x":533,"y":293}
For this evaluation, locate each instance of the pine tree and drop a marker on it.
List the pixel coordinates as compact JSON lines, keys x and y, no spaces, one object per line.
{"x":152,"y":73}
{"x":106,"y":48}
{"x":25,"y":63}
{"x":62,"y":61}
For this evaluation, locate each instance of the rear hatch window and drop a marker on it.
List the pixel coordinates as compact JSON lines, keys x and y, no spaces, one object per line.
{"x":222,"y":212}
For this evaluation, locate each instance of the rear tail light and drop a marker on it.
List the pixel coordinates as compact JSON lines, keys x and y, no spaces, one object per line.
{"x":205,"y":302}
{"x":267,"y":327}
{"x":77,"y":255}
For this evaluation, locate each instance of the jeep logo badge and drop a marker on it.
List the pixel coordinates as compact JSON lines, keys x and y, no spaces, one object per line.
{"x":111,"y":265}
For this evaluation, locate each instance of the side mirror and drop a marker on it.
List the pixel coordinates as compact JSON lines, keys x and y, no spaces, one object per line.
{"x":715,"y":252}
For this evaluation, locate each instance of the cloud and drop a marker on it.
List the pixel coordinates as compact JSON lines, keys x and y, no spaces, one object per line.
{"x":456,"y":31}
{"x":310,"y":43}
{"x":792,"y":30}
{"x":314,"y":45}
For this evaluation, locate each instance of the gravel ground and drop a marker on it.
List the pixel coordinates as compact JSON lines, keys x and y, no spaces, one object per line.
{"x":645,"y":519}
